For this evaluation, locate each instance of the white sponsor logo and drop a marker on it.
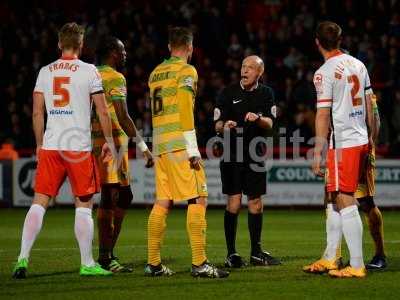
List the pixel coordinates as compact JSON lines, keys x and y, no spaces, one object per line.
{"x":236,"y":101}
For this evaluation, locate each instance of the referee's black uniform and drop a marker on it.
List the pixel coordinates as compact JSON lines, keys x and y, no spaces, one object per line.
{"x":237,"y":174}
{"x":242,"y":165}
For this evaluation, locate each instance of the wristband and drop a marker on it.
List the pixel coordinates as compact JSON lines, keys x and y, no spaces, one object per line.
{"x":142,"y":146}
{"x":191,"y":143}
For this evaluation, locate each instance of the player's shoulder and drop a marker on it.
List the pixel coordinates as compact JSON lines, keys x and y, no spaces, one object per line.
{"x":109,"y":73}
{"x":359,"y":63}
{"x":188,"y":69}
{"x":85,"y":66}
{"x":324,"y":69}
{"x":47,"y":68}
{"x":161,"y":67}
{"x":323,"y":73}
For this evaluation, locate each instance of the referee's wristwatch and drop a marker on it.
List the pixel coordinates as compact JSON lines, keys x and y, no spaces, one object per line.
{"x":259,"y":116}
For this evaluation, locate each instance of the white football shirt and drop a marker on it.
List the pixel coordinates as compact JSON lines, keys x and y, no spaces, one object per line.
{"x":67,"y":85}
{"x":342,"y":83}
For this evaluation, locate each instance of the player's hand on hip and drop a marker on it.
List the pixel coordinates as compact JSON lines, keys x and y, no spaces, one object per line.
{"x":195,"y":162}
{"x":230,"y":124}
{"x":149,"y":159}
{"x":251,"y":117}
{"x":316,"y":166}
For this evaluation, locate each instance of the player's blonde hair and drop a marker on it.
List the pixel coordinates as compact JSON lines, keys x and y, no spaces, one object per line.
{"x":70,"y":36}
{"x":180,"y":37}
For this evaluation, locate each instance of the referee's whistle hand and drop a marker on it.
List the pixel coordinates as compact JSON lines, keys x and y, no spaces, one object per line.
{"x":230,"y":124}
{"x":251,"y":117}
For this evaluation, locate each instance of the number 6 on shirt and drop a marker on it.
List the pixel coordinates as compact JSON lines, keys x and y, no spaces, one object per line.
{"x":59,"y":90}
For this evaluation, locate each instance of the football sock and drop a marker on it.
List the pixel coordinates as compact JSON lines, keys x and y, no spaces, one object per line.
{"x":119,"y":214}
{"x":352,"y":231}
{"x":196,"y":226}
{"x":375,"y":225}
{"x":106,"y":228}
{"x":32,"y":225}
{"x":230,"y":226}
{"x":155,"y":233}
{"x":339,"y":248}
{"x":84,"y":234}
{"x":333,"y":233}
{"x":255,"y":228}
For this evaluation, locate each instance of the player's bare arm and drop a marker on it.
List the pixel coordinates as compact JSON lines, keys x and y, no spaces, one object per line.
{"x":377,"y":123}
{"x":38,"y":119}
{"x":127,"y":124}
{"x":108,"y":150}
{"x":370,"y":118}
{"x":322,"y":121}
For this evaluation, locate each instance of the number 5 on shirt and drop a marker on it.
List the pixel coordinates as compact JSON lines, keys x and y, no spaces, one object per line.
{"x":59,"y":89}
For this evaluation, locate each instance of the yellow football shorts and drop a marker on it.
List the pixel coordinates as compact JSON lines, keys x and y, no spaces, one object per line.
{"x":115,"y":170}
{"x":176,"y":180}
{"x":366,"y":184}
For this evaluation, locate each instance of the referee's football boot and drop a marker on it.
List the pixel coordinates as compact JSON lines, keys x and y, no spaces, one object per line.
{"x":234,"y":261}
{"x":159,"y":270}
{"x":20,"y":269}
{"x":378,"y":262}
{"x":209,"y":271}
{"x":264,"y":258}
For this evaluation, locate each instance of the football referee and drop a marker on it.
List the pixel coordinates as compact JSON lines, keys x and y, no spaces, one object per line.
{"x":244,"y":113}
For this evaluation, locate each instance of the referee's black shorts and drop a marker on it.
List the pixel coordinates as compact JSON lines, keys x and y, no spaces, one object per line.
{"x":240,"y":177}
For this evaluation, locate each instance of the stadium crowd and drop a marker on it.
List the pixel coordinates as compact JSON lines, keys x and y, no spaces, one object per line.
{"x":280,"y":31}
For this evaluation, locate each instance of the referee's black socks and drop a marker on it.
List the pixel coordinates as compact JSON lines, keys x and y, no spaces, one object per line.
{"x":255,"y":228}
{"x":230,"y":225}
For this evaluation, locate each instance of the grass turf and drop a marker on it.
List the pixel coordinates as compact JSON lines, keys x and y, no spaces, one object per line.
{"x":295,"y":236}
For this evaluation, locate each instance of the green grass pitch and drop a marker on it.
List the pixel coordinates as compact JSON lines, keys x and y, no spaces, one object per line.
{"x":295,"y":236}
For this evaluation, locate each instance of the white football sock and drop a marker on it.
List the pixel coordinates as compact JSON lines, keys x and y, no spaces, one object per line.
{"x":352,"y":231}
{"x":84,"y":234}
{"x":333,"y":232}
{"x":32,"y":225}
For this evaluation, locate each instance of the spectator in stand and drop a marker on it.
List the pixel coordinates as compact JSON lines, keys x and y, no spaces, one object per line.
{"x":226,"y":31}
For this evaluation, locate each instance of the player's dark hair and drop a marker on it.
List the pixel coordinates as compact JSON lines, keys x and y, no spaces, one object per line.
{"x":105,"y":46}
{"x":329,"y":35}
{"x":180,"y":37}
{"x":70,"y":36}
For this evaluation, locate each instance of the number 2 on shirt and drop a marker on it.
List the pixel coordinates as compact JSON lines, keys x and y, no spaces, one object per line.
{"x":59,"y":89}
{"x":356,"y":99}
